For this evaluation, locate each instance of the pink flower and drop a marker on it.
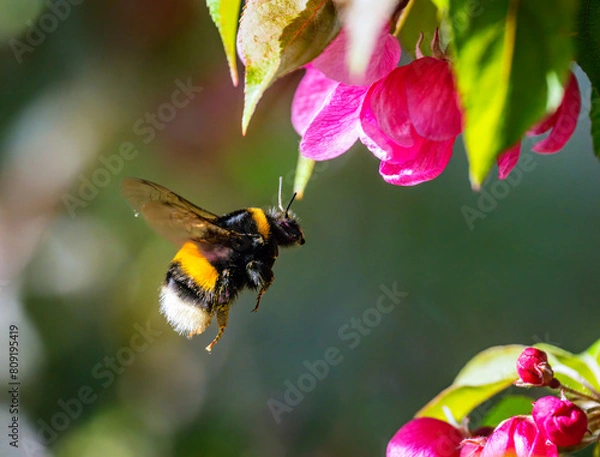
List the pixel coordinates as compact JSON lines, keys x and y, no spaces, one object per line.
{"x":517,"y":437}
{"x":561,"y":125}
{"x":327,"y":103}
{"x":411,"y":119}
{"x":533,"y":367}
{"x":563,"y":422}
{"x":425,"y":437}
{"x":409,"y":116}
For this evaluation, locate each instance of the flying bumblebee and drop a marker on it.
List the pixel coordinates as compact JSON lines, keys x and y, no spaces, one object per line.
{"x":218,"y":257}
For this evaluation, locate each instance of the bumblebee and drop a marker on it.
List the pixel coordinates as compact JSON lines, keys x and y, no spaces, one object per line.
{"x":219,"y":256}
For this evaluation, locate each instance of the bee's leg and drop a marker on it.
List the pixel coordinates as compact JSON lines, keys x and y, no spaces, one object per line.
{"x":260,"y":275}
{"x":260,"y":294}
{"x":223,"y":294}
{"x":222,"y":317}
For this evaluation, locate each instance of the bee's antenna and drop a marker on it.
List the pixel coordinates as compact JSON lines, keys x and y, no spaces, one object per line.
{"x":290,"y":204}
{"x":279,"y":195}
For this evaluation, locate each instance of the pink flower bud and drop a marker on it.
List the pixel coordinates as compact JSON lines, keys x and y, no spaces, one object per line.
{"x":425,"y":437}
{"x":517,"y":437}
{"x":533,"y":367}
{"x":563,"y":422}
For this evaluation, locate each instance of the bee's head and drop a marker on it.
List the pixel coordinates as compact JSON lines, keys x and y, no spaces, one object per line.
{"x":286,"y":230}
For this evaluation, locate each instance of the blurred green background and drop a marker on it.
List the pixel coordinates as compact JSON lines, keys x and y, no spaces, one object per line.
{"x":79,"y":274}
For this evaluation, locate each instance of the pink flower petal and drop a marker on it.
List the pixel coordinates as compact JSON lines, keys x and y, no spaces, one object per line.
{"x":309,"y":98}
{"x":545,"y":125}
{"x":380,"y":144}
{"x":432,"y":99}
{"x":565,"y":120}
{"x":548,"y":122}
{"x":332,"y":61}
{"x":472,"y":447}
{"x":371,"y":135}
{"x":518,"y":437}
{"x":432,"y":159}
{"x":383,"y":147}
{"x":386,"y":100}
{"x":508,"y":160}
{"x":425,"y":437}
{"x":335,"y":128}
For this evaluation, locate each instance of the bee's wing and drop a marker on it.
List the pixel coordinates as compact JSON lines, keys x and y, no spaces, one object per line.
{"x":174,"y":217}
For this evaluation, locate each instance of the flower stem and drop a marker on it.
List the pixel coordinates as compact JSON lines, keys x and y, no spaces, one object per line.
{"x":576,"y":393}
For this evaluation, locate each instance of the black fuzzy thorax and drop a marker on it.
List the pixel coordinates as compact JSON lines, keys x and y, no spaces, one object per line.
{"x":255,"y":247}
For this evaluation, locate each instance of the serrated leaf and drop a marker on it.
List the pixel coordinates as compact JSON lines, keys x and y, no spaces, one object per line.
{"x":513,"y":405}
{"x":511,"y":59}
{"x":304,"y":169}
{"x":421,"y":17}
{"x":595,"y":119}
{"x":363,"y":21}
{"x":279,"y":36}
{"x":224,"y":14}
{"x":486,"y":374}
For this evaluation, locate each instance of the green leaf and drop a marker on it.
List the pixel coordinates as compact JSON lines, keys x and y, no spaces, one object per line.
{"x":513,"y":405}
{"x":588,"y":39}
{"x":442,"y":5}
{"x":224,"y":14}
{"x":594,"y":351}
{"x":460,"y":400}
{"x":488,"y":373}
{"x":277,"y":37}
{"x":363,"y":21}
{"x":588,"y":57}
{"x":494,"y":369}
{"x":595,"y":119}
{"x":498,"y":363}
{"x":511,"y":60}
{"x":422,"y":17}
{"x":304,"y":169}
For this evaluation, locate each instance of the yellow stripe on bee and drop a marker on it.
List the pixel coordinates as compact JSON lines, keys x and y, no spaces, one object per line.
{"x":195,"y":265}
{"x":262,"y":224}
